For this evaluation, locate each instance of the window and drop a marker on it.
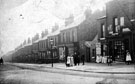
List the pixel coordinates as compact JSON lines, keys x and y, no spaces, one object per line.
{"x":64,"y":34}
{"x":116,"y":25}
{"x":61,"y":38}
{"x":54,"y":41}
{"x":121,"y":21}
{"x":75,"y":35}
{"x":103,"y":30}
{"x":67,"y":40}
{"x":70,"y":35}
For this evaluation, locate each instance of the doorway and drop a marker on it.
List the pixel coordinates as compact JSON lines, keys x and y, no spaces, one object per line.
{"x":119,"y":50}
{"x":87,"y":54}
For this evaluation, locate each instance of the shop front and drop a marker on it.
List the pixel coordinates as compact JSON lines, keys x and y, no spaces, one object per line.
{"x":118,"y":45}
{"x":68,"y":50}
{"x":90,"y":51}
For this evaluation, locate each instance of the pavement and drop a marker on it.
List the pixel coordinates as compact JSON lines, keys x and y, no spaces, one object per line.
{"x":115,"y":68}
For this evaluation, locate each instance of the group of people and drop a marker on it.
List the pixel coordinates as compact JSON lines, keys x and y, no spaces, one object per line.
{"x":75,"y":60}
{"x":128,"y":58}
{"x":1,"y":61}
{"x":109,"y":60}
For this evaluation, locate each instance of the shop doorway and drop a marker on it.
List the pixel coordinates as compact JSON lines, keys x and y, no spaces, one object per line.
{"x":119,"y":50}
{"x":88,"y":54}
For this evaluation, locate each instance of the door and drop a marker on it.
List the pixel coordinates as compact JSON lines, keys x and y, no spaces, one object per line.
{"x":119,"y":50}
{"x":87,"y":54}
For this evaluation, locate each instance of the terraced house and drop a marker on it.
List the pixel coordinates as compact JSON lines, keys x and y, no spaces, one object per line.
{"x":81,"y":36}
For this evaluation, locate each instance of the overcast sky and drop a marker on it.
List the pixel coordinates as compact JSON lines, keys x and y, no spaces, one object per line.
{"x":20,"y":19}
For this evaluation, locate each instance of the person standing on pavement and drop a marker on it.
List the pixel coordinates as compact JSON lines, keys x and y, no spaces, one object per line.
{"x":1,"y":61}
{"x":75,"y":58}
{"x":109,"y":60}
{"x":82,"y":59}
{"x":78,"y":59}
{"x":72,"y":60}
{"x":68,"y":61}
{"x":128,"y":57}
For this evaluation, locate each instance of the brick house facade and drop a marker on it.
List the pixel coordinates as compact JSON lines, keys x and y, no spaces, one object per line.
{"x":118,"y":28}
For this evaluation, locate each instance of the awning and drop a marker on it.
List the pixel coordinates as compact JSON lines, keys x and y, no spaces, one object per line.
{"x":88,"y":43}
{"x":91,"y":43}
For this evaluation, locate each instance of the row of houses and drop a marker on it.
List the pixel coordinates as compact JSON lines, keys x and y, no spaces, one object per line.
{"x":103,"y":33}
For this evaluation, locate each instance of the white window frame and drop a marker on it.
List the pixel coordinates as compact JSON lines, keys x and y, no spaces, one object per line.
{"x":116,"y":24}
{"x":122,"y":21}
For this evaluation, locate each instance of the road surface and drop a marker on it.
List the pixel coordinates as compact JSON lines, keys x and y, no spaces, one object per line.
{"x":10,"y":74}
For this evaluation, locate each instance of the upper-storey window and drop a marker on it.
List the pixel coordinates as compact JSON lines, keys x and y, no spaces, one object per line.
{"x":115,"y":25}
{"x":64,"y":34}
{"x":61,"y":37}
{"x":67,"y":37}
{"x":75,"y":35}
{"x":122,"y":21}
{"x":71,"y":36}
{"x":103,"y":30}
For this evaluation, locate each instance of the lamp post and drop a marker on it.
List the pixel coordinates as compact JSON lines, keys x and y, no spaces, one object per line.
{"x":51,"y":42}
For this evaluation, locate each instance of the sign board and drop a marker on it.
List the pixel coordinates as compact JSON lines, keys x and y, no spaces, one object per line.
{"x":98,"y":45}
{"x":98,"y":48}
{"x":126,"y":30}
{"x":88,"y":43}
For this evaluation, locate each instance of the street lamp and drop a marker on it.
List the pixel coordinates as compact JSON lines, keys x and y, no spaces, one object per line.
{"x":51,"y":42}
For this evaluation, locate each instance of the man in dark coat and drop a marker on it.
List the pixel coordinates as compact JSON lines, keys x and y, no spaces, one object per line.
{"x":75,"y":59}
{"x":82,"y":58}
{"x":1,"y":61}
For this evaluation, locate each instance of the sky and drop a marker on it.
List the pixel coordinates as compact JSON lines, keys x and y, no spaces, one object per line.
{"x":20,"y":19}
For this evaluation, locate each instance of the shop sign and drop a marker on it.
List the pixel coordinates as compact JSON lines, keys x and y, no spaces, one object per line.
{"x":98,"y":51}
{"x":102,"y":38}
{"x":61,"y":53}
{"x":98,"y":48}
{"x":126,"y":30}
{"x":88,"y":43}
{"x":98,"y":45}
